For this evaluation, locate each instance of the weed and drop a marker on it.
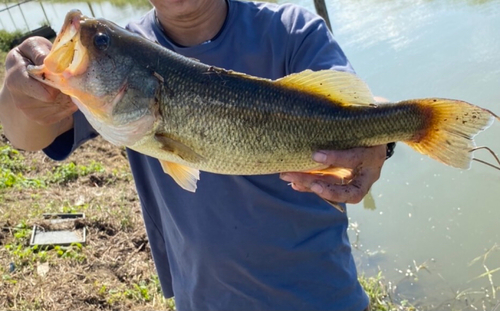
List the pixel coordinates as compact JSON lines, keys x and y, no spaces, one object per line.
{"x":22,"y":232}
{"x":139,"y":292}
{"x":8,"y":279}
{"x":11,"y":158}
{"x":74,"y":251}
{"x":12,"y":169}
{"x":2,"y":68}
{"x":489,"y":272}
{"x":380,"y":300}
{"x":8,"y":179}
{"x":68,"y":172}
{"x":6,"y":39}
{"x":21,"y":254}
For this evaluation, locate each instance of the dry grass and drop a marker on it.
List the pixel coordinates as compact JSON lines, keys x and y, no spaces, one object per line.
{"x":113,"y":271}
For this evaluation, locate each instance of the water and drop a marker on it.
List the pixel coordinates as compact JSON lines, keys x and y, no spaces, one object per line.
{"x":427,"y":215}
{"x":34,"y":16}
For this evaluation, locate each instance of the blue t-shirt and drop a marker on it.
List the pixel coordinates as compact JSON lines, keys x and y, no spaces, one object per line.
{"x":245,"y":242}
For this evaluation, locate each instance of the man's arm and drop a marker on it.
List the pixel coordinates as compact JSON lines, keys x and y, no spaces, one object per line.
{"x":32,"y":114}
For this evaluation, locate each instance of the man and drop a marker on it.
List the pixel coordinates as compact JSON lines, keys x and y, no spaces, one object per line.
{"x":239,"y":242}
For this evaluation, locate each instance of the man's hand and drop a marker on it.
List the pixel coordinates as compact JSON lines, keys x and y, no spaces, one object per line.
{"x":32,"y":113}
{"x":39,"y":102}
{"x":363,"y":166}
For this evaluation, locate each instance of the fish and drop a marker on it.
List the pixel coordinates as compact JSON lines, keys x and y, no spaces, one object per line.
{"x":196,"y":117}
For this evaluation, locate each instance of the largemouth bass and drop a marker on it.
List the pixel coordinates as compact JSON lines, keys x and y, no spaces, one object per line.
{"x":192,"y":116}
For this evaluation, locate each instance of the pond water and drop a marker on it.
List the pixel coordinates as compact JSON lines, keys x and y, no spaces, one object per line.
{"x":31,"y":15}
{"x":431,"y":221}
{"x":427,"y":213}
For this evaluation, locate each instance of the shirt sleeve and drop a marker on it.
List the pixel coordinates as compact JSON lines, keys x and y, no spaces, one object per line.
{"x":67,"y":142}
{"x":311,"y":44}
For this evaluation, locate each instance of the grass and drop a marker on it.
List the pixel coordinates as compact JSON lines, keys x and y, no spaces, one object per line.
{"x":380,"y":299}
{"x":114,"y":270}
{"x":13,"y":171}
{"x":6,"y":39}
{"x":3,"y":54}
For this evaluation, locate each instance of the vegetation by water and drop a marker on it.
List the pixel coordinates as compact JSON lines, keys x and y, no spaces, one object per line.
{"x":6,"y":39}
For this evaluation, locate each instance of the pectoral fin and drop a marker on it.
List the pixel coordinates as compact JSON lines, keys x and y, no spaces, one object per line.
{"x":171,"y":145}
{"x":342,"y":88}
{"x":185,"y":176}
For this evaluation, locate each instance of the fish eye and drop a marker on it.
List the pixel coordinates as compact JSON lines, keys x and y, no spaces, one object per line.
{"x":101,"y":41}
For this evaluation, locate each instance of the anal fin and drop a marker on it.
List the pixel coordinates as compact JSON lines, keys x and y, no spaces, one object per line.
{"x":184,"y":176}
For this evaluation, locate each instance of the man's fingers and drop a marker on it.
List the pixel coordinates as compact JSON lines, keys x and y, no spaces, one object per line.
{"x":353,"y":192}
{"x":306,"y":179}
{"x":351,"y":158}
{"x":31,"y":51}
{"x":35,"y":49}
{"x":340,"y":158}
{"x":358,"y":169}
{"x":300,"y":188}
{"x":334,"y":188}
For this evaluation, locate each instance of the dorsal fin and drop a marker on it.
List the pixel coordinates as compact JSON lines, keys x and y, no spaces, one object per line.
{"x":343,"y":88}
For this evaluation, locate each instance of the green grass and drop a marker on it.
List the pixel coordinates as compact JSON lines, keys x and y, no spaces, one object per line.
{"x":380,"y":300}
{"x":3,"y":54}
{"x":6,"y":39}
{"x":69,"y":172}
{"x":13,"y":170}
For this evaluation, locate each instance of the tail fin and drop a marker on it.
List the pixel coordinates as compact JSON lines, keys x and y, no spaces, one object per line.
{"x":452,"y":125}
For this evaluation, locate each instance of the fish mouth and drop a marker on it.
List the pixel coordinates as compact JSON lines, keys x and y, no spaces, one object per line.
{"x":67,"y":58}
